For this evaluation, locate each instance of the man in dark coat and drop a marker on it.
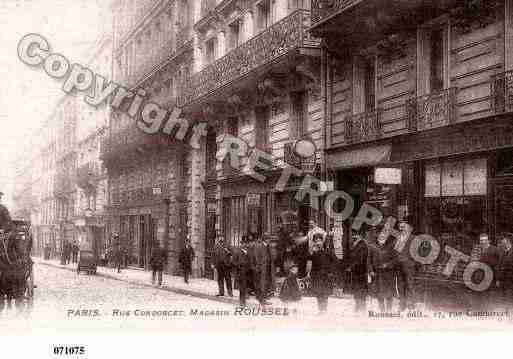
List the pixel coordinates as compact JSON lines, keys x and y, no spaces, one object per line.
{"x":405,"y":271}
{"x":222,"y":263}
{"x":505,"y":271}
{"x":74,"y":252}
{"x":185,"y":259}
{"x":5,"y":217}
{"x":260,"y":261}
{"x":490,"y":255}
{"x":242,"y":268}
{"x":382,"y":264}
{"x":157,"y":262}
{"x":356,"y":263}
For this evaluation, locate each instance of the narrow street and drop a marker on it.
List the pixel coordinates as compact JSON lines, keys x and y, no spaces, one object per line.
{"x":67,"y":301}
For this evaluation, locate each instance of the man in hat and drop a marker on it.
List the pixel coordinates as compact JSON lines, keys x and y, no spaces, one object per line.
{"x":5,"y":217}
{"x":222,"y":263}
{"x":242,"y":267}
{"x":185,"y":259}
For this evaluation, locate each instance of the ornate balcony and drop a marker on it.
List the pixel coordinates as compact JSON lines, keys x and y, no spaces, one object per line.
{"x":432,"y":111}
{"x":363,"y":127}
{"x":322,"y":9}
{"x":131,"y":142}
{"x":287,"y":35}
{"x":502,"y":92}
{"x":141,"y":196}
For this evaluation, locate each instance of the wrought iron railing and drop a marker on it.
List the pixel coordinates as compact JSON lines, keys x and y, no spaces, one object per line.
{"x":129,"y":140}
{"x":140,"y":195}
{"x":279,"y":39}
{"x":363,"y":127}
{"x":502,"y":92}
{"x":322,"y":9}
{"x":432,"y":111}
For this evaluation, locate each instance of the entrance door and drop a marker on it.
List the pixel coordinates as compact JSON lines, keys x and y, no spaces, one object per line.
{"x":503,"y":210}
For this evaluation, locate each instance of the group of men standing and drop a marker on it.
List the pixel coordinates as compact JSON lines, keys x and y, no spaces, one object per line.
{"x":69,"y":252}
{"x":252,"y":263}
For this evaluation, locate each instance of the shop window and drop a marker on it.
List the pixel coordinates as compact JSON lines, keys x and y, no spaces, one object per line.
{"x":455,"y":202}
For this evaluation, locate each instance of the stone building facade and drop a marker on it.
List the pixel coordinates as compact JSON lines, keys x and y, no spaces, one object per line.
{"x":418,"y":109}
{"x":150,"y":175}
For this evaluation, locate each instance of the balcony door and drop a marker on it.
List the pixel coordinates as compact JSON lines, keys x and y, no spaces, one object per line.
{"x":433,"y":58}
{"x":364,"y":73}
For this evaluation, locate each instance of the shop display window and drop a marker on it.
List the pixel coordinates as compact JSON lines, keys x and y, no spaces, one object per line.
{"x":455,"y":202}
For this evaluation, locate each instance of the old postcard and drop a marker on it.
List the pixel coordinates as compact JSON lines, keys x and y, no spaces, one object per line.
{"x":255,"y":165}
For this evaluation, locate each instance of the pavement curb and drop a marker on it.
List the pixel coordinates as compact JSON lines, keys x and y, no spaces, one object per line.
{"x":166,"y":288}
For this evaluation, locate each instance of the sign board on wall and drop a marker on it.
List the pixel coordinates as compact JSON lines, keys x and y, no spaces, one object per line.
{"x":384,"y":175}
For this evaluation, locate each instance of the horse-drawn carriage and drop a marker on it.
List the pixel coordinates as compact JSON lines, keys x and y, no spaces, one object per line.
{"x":16,"y":266}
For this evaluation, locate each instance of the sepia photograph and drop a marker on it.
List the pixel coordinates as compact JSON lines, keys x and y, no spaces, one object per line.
{"x":185,"y":166}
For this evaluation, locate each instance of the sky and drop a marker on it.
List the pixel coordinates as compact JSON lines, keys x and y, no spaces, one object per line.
{"x":28,"y":95}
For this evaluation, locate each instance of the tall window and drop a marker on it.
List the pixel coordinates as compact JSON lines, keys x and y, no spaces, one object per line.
{"x":234,"y":36}
{"x":433,"y":58}
{"x":369,"y":84}
{"x":262,"y":127}
{"x":364,"y":84}
{"x":299,"y":125}
{"x":265,"y":14}
{"x":210,"y":51}
{"x":437,"y":60}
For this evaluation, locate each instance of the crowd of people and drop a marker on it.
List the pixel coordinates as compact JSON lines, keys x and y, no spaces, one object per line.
{"x":371,"y":268}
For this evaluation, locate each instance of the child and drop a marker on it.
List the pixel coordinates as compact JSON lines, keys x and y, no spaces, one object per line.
{"x":290,"y":289}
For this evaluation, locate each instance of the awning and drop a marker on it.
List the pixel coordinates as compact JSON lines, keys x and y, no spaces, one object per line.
{"x":364,"y":157}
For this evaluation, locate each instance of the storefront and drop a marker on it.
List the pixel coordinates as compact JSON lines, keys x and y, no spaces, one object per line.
{"x":452,"y":183}
{"x":250,"y":206}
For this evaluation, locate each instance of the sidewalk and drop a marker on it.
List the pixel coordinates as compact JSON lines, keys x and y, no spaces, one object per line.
{"x":202,"y":288}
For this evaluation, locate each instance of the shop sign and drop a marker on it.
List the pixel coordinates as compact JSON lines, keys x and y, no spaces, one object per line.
{"x":383,"y":175}
{"x":253,"y":199}
{"x":157,"y":191}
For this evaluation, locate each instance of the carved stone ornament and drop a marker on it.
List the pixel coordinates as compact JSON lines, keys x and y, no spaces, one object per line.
{"x":271,"y":90}
{"x":474,"y":15}
{"x":393,"y":47}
